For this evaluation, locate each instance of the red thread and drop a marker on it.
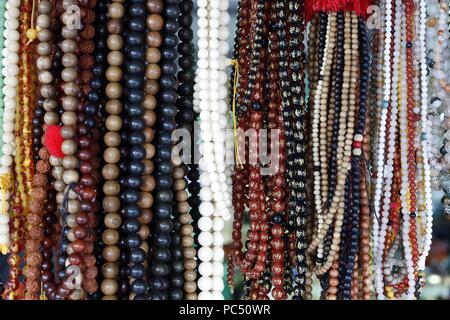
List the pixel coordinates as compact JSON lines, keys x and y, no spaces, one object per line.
{"x":53,"y":141}
{"x":313,"y":7}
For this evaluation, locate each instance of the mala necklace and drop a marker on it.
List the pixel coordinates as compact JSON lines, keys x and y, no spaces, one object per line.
{"x":252,"y":264}
{"x":338,"y":192}
{"x":214,"y":194}
{"x":166,"y":111}
{"x":10,"y":71}
{"x":185,"y":119}
{"x":67,"y":197}
{"x":39,"y":191}
{"x":132,"y":147}
{"x":184,"y":271}
{"x":297,"y":173}
{"x":87,"y":135}
{"x":406,"y":221}
{"x":22,"y":159}
{"x":110,"y":171}
{"x":242,"y":41}
{"x":5,"y":180}
{"x":48,"y":92}
{"x":22,"y":162}
{"x":155,"y":25}
{"x":90,"y":168}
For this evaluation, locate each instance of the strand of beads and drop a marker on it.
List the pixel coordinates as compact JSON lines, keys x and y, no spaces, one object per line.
{"x":120,"y":204}
{"x":153,"y":56}
{"x":212,"y":94}
{"x":94,"y":91}
{"x":27,"y":101}
{"x":151,"y":88}
{"x":67,"y":197}
{"x":132,"y":146}
{"x":406,"y":212}
{"x":88,"y":148}
{"x":218,"y":39}
{"x":389,"y":170}
{"x":427,"y":217}
{"x":277,"y":183}
{"x":166,"y":111}
{"x":339,"y":249}
{"x":113,"y":123}
{"x":185,"y":118}
{"x":42,"y":165}
{"x":298,"y":202}
{"x":2,"y":77}
{"x":21,"y":157}
{"x":154,"y":25}
{"x":4,"y":218}
{"x":49,"y":93}
{"x":382,"y":134}
{"x":10,"y":71}
{"x":242,"y":48}
{"x":53,"y":120}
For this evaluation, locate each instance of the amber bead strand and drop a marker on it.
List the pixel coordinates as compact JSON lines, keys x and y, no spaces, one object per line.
{"x":33,"y":233}
{"x":18,"y":229}
{"x":110,"y":171}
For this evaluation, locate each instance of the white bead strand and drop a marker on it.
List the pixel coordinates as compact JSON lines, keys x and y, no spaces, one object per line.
{"x":211,"y":102}
{"x":10,"y":72}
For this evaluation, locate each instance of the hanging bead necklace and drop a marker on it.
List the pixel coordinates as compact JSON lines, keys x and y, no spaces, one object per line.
{"x":132,"y":146}
{"x":110,"y":171}
{"x":166,"y":111}
{"x":10,"y":71}
{"x":406,"y":220}
{"x":185,"y":119}
{"x":212,"y":103}
{"x":88,"y":148}
{"x":48,"y":92}
{"x":69,"y":177}
{"x":42,"y":165}
{"x":337,"y":143}
{"x":277,"y":182}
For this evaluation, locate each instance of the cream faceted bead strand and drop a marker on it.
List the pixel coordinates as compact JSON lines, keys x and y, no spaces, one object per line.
{"x":389,"y":167}
{"x":316,"y":145}
{"x":382,"y":125}
{"x":10,"y":72}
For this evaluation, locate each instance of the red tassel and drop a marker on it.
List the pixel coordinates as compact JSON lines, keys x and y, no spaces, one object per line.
{"x":313,"y":7}
{"x":309,"y":10}
{"x":361,"y":7}
{"x":53,"y":141}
